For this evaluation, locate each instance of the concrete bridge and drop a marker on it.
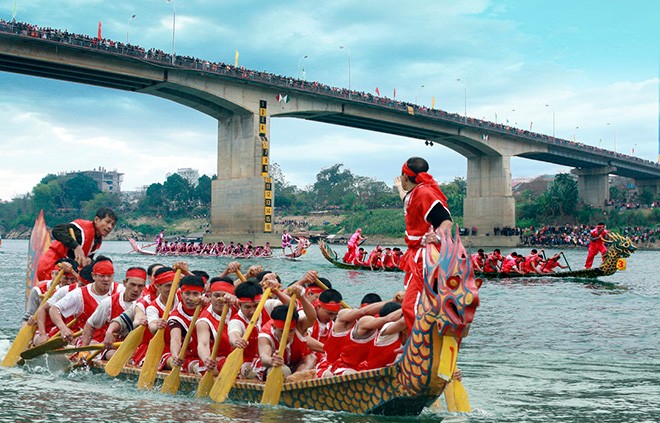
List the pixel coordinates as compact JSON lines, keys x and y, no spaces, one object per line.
{"x":244,"y":101}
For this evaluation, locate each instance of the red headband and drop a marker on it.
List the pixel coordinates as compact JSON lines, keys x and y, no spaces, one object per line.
{"x":164,"y":277}
{"x":136,"y":273}
{"x":279,"y":324}
{"x":104,"y":267}
{"x":193,"y":288}
{"x":331,"y":306}
{"x":407,"y":171}
{"x":222,"y":286}
{"x":314,"y":289}
{"x":249,"y":299}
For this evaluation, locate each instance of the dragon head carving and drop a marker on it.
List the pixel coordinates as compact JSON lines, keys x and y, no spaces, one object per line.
{"x":449,"y":281}
{"x":619,"y":245}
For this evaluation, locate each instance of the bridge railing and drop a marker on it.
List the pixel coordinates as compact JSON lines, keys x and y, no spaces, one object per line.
{"x":289,"y":84}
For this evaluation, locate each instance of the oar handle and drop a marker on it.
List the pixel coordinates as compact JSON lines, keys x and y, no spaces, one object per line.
{"x":58,"y":334}
{"x":256,"y":315}
{"x":240,"y":275}
{"x":51,"y":290}
{"x":325,"y":288}
{"x":287,"y":326}
{"x":172,"y":294}
{"x":191,"y":328}
{"x":218,"y":333}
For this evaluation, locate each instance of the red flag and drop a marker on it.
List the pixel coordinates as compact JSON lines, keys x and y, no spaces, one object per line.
{"x":395,"y":93}
{"x":99,"y":34}
{"x":377,"y":91}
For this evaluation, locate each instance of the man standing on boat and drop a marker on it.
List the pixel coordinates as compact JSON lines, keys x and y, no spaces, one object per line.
{"x":426,"y":211}
{"x":597,"y":244}
{"x":286,"y":241}
{"x":353,"y":244}
{"x":88,"y":237}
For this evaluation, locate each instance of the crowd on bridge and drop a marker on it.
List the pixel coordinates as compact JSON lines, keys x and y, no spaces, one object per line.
{"x":291,"y":84}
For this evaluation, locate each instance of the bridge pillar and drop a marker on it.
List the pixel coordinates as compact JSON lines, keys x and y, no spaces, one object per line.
{"x":237,"y":196}
{"x":489,"y":202}
{"x":594,"y":184}
{"x":652,"y":185}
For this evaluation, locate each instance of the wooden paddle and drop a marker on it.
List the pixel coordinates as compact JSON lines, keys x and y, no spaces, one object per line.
{"x":206,"y":382}
{"x":172,"y":381}
{"x":569,"y":266}
{"x":325,"y":288}
{"x":157,"y":343}
{"x":457,"y":398}
{"x":125,"y":351}
{"x":26,"y":334}
{"x":275,"y":378}
{"x":47,"y":346}
{"x":90,"y":347}
{"x":227,"y":376}
{"x":240,"y":275}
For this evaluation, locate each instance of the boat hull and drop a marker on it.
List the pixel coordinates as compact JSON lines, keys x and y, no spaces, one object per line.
{"x":331,"y":256}
{"x":369,"y":392}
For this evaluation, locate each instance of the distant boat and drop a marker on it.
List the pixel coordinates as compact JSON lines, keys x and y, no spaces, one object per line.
{"x":331,"y":256}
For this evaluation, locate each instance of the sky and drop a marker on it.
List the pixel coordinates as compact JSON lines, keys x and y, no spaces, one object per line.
{"x":590,"y":65}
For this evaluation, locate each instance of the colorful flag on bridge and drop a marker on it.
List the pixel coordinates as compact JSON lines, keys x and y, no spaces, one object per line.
{"x":411,"y":111}
{"x":282,"y":98}
{"x":236,"y":59}
{"x":99,"y":31}
{"x":394,"y":93}
{"x":377,"y":91}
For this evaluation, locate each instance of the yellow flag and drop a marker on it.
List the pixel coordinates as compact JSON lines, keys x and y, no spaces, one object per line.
{"x":411,"y":111}
{"x":236,"y":59}
{"x":433,"y":102}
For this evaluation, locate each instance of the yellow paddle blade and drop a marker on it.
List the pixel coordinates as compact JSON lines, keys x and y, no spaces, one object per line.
{"x":462,"y":400}
{"x":125,"y":351}
{"x":227,"y":376}
{"x":273,"y":387}
{"x":47,"y":346}
{"x":171,"y":382}
{"x":275,"y":378}
{"x":151,"y":361}
{"x":205,"y":384}
{"x":22,"y":341}
{"x":450,"y":397}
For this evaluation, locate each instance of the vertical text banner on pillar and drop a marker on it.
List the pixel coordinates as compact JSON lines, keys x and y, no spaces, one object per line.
{"x":268,"y":181}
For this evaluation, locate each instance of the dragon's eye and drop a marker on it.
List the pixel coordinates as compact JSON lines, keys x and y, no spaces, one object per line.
{"x":479,"y":282}
{"x":453,"y":282}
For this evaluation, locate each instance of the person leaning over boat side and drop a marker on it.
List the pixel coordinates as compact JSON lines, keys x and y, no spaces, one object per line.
{"x":357,"y":346}
{"x":532,"y":261}
{"x":341,"y":329}
{"x":82,"y":302}
{"x":249,"y":294}
{"x":478,"y":260}
{"x":298,"y":361}
{"x":385,"y":348}
{"x":153,"y":312}
{"x":327,"y":306}
{"x":551,"y":263}
{"x":192,"y":290}
{"x":222,"y":292}
{"x":596,"y":244}
{"x":110,"y":308}
{"x":89,"y":232}
{"x":493,"y":261}
{"x":70,"y":276}
{"x":426,"y":211}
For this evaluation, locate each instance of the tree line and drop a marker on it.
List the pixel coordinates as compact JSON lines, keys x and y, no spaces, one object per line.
{"x":365,"y":202}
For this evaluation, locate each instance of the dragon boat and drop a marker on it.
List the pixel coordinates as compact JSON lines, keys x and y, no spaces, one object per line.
{"x":618,"y":249}
{"x":142,"y":250}
{"x":302,"y":244}
{"x":332,"y":257}
{"x":443,"y":317}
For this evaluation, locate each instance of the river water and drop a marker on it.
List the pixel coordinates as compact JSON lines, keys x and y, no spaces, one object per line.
{"x":538,"y":350}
